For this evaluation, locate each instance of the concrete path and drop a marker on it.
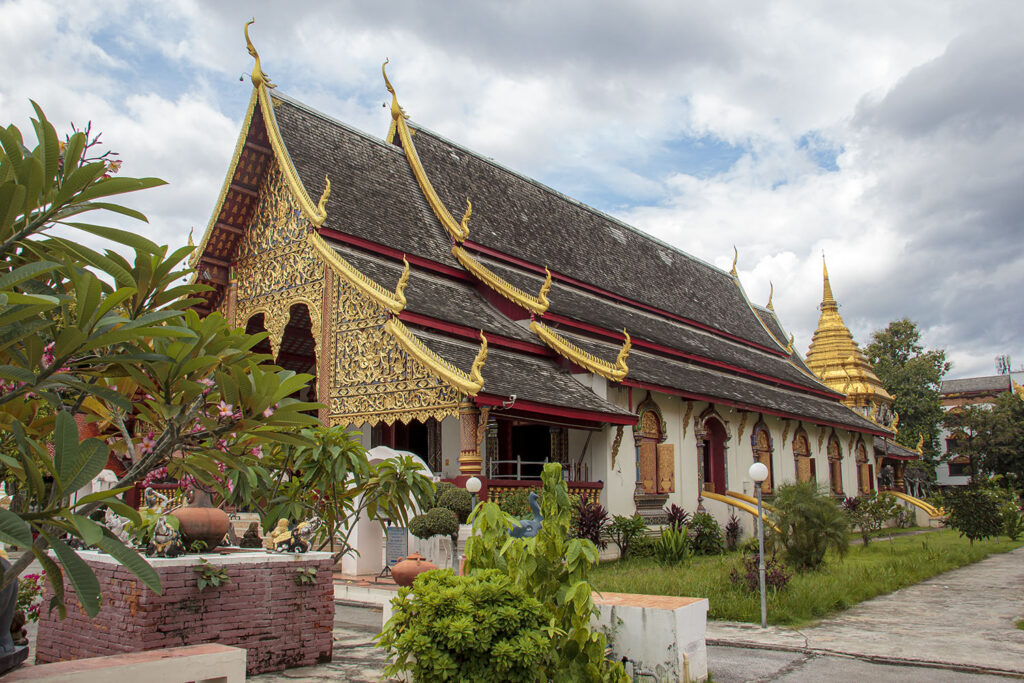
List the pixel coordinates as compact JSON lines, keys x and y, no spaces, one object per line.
{"x":964,"y":619}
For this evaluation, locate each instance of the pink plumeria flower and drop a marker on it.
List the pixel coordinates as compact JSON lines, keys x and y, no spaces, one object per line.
{"x":269,"y":410}
{"x":225,"y":409}
{"x":147,"y":445}
{"x":257,"y":452}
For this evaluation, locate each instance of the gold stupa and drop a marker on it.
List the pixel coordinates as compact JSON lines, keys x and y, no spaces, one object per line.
{"x":835,"y":357}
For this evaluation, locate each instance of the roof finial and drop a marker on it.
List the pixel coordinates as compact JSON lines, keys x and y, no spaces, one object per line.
{"x":464,"y":225}
{"x":258,"y":77}
{"x":826,"y":296}
{"x":475,"y":372}
{"x":396,"y":110}
{"x":621,"y":369}
{"x":190,"y":242}
{"x":792,"y":341}
{"x":542,"y":297}
{"x":771,"y":293}
{"x":735,"y":258}
{"x":321,"y":206}
{"x":403,"y":280}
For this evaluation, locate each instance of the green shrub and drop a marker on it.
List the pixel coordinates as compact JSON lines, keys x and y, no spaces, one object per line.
{"x":624,"y":530}
{"x":974,"y":511}
{"x":810,"y":523}
{"x":481,"y":627}
{"x":589,"y":521}
{"x":870,"y":512}
{"x":555,"y":569}
{"x":706,"y":535}
{"x":1013,"y":521}
{"x":434,"y":522}
{"x":643,"y":546}
{"x":459,"y":501}
{"x":442,"y":488}
{"x":673,"y":547}
{"x":733,"y":531}
{"x":516,"y":503}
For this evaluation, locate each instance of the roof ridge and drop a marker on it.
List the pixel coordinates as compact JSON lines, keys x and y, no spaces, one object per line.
{"x":309,"y":109}
{"x":561,"y":195}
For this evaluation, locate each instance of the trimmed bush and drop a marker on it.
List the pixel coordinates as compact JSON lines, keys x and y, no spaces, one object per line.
{"x":459,"y":501}
{"x":437,"y":521}
{"x":516,"y":503}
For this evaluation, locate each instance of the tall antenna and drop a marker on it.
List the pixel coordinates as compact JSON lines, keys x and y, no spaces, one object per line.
{"x":1003,"y":364}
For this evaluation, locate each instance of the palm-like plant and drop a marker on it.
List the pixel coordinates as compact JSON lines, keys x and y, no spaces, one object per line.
{"x":809,"y":524}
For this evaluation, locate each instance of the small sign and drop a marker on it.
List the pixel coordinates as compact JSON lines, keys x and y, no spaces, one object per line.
{"x":397,"y":544}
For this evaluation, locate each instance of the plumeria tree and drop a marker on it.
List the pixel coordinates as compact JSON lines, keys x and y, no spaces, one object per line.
{"x":102,"y":357}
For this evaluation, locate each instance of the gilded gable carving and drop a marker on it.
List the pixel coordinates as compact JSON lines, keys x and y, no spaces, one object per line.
{"x":372,"y":378}
{"x":276,"y":267}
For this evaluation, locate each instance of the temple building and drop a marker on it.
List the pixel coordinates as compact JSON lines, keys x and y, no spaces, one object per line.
{"x":835,"y":357}
{"x":531,"y":329}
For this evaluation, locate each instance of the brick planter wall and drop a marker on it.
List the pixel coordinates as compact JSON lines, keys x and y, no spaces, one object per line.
{"x":280,"y":624}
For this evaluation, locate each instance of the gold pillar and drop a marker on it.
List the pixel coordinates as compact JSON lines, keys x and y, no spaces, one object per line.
{"x":232,"y":301}
{"x":470,"y":462}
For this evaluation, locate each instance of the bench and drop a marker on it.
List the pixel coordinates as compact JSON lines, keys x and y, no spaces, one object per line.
{"x":206,"y":663}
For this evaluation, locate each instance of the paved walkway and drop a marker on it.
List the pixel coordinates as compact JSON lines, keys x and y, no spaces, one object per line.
{"x":964,"y":619}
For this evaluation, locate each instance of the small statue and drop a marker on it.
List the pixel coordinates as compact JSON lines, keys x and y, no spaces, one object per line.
{"x":528,"y":528}
{"x":116,"y":525}
{"x":166,"y":541}
{"x":155,"y":501}
{"x":251,"y":537}
{"x":291,"y":538}
{"x":888,"y":477}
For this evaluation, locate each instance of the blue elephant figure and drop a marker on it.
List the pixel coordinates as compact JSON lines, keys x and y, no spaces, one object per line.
{"x":528,"y":528}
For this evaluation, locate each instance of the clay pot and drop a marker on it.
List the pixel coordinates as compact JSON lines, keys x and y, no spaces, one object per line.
{"x":200,"y":521}
{"x":406,"y":571}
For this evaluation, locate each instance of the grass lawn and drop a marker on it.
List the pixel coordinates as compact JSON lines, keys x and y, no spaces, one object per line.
{"x":882,"y":567}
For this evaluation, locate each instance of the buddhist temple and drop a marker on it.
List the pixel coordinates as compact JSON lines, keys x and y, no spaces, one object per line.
{"x":454,"y":308}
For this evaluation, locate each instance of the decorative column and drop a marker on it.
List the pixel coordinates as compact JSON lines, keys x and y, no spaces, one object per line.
{"x":700,"y":435}
{"x":470,"y":462}
{"x":232,"y":300}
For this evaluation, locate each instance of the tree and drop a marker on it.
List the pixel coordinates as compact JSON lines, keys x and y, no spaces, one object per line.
{"x":911,"y":375}
{"x":968,"y":426}
{"x":809,"y":524}
{"x":110,"y":343}
{"x":1002,"y":440}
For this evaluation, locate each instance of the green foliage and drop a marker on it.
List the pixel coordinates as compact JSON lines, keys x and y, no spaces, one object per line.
{"x":210,"y":575}
{"x":141,"y":530}
{"x":1013,"y":520}
{"x":974,"y":511}
{"x":881,"y":568}
{"x":992,"y":437}
{"x":810,"y":524}
{"x":305,"y":576}
{"x":706,"y":535}
{"x":437,"y":521}
{"x":554,"y":568}
{"x":870,"y":512}
{"x":459,"y":501}
{"x":912,"y":375}
{"x":110,"y":340}
{"x":516,"y":503}
{"x":673,"y":546}
{"x":589,"y":521}
{"x":624,"y":531}
{"x":642,"y":546}
{"x":197,"y":546}
{"x":481,"y":627}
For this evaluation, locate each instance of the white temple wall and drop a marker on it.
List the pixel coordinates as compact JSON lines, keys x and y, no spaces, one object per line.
{"x":451,"y":446}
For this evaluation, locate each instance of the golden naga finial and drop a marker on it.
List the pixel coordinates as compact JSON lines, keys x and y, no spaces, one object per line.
{"x":920,"y":446}
{"x":464,"y":224}
{"x":542,"y":296}
{"x":789,"y":346}
{"x":321,"y":206}
{"x":895,"y":426}
{"x":403,"y":280}
{"x":621,"y":369}
{"x":258,"y":76}
{"x":475,"y":373}
{"x":874,"y":413}
{"x":190,"y":242}
{"x":396,"y":110}
{"x":735,"y":259}
{"x":771,"y":293}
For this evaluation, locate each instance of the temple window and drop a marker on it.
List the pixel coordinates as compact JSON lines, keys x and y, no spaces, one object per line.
{"x":805,"y":470}
{"x":835,"y":466}
{"x":761,"y":444}
{"x":657,"y":458}
{"x":865,"y":476}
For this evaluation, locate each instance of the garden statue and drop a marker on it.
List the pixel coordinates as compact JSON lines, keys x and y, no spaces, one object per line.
{"x":166,"y":541}
{"x":116,"y":525}
{"x":528,"y":528}
{"x":251,"y":537}
{"x":155,"y":501}
{"x":11,"y":654}
{"x":291,"y":538}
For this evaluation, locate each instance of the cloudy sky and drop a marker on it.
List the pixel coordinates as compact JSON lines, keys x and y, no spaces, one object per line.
{"x":888,"y":136}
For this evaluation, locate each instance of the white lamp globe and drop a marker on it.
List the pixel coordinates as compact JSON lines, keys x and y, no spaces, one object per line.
{"x":758,"y":472}
{"x":473,"y":485}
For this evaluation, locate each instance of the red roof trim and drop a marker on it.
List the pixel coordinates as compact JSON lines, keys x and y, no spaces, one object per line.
{"x":746,"y":406}
{"x":418,"y":261}
{"x":523,"y":406}
{"x":667,"y":350}
{"x":472,"y":333}
{"x":611,"y":295}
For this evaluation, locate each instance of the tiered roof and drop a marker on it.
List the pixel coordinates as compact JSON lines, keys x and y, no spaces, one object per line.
{"x":556,"y":287}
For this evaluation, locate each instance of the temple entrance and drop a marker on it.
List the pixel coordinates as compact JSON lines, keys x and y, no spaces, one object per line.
{"x":518,"y":450}
{"x":421,"y":438}
{"x":714,"y":457}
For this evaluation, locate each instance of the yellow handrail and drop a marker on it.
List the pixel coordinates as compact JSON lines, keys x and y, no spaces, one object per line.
{"x":749,"y":499}
{"x":741,"y":505}
{"x":927,"y":507}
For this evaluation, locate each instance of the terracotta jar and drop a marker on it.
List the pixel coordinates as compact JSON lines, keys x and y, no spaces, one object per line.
{"x":200,"y":521}
{"x":408,"y":569}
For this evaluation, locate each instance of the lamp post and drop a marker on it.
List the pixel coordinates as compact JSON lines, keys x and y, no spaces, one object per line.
{"x":473,"y":485}
{"x":759,"y":472}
